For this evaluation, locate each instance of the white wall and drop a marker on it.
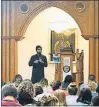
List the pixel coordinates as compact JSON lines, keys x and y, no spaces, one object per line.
{"x":84,"y":45}
{"x":38,"y":33}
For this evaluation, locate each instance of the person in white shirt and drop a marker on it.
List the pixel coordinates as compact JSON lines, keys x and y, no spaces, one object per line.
{"x":72,"y":97}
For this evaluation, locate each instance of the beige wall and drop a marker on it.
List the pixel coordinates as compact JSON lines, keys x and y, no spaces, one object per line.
{"x":84,"y":45}
{"x":38,"y":32}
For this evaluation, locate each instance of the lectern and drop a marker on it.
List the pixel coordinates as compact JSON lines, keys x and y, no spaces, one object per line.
{"x":66,"y":58}
{"x":66,"y":61}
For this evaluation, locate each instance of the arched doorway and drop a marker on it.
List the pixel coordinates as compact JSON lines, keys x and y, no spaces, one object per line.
{"x":40,"y":34}
{"x":44,"y":6}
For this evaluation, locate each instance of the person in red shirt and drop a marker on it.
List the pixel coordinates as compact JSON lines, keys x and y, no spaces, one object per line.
{"x":9,"y":95}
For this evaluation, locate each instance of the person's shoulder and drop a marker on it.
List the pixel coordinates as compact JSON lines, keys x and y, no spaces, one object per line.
{"x":43,"y":55}
{"x":34,"y":55}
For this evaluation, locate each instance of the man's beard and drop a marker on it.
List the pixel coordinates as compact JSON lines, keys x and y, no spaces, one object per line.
{"x":39,"y":53}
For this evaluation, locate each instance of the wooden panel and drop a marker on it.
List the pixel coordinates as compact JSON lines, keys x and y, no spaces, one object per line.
{"x":96,"y":17}
{"x":16,"y":58}
{"x":3,"y":16}
{"x":77,"y":79}
{"x":12,"y":53}
{"x":91,"y":56}
{"x":12,"y":16}
{"x":84,"y":20}
{"x":97,"y":59}
{"x":8,"y":19}
{"x":58,"y":76}
{"x":3,"y":61}
{"x":7,"y":61}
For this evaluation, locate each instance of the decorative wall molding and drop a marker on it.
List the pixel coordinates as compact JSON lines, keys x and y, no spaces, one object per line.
{"x":42,"y":7}
{"x":17,"y":38}
{"x":24,"y":8}
{"x":80,"y":6}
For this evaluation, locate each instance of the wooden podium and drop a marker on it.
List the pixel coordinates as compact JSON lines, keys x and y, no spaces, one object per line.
{"x":64,"y":53}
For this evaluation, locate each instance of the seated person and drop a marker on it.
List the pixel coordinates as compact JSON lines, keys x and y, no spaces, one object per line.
{"x":44,"y":85}
{"x":17,"y":80}
{"x":9,"y":95}
{"x":84,"y":97}
{"x":68,"y":79}
{"x":95,"y":101}
{"x":91,"y":79}
{"x":97,"y":89}
{"x":25,"y":93}
{"x":47,"y":100}
{"x":57,"y":86}
{"x":61,"y":97}
{"x":2,"y":84}
{"x":93,"y":87}
{"x":51,"y":88}
{"x":72,"y":97}
{"x":38,"y":91}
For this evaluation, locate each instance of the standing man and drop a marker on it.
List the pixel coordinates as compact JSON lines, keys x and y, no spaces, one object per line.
{"x":38,"y":61}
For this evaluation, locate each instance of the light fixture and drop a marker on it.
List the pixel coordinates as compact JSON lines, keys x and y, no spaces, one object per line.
{"x":68,"y":32}
{"x":59,"y":27}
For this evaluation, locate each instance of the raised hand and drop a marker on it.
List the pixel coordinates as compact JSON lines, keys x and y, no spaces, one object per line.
{"x":40,"y":60}
{"x":36,"y":61}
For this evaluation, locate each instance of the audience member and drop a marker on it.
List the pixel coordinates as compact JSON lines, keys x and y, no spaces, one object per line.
{"x":47,"y":100}
{"x":66,"y":82}
{"x":72,"y":97}
{"x":95,"y":101}
{"x":38,"y":89}
{"x":93,"y":87}
{"x":84,"y":97}
{"x":44,"y":85}
{"x":25,"y":93}
{"x":97,"y":89}
{"x":91,"y":79}
{"x":61,"y":97}
{"x":2,"y":84}
{"x":9,"y":95}
{"x":17,"y":80}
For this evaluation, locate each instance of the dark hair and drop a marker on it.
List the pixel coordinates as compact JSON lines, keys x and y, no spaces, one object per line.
{"x":38,"y":46}
{"x":9,"y":90}
{"x":56,"y":85}
{"x":97,"y":89}
{"x":2,"y":84}
{"x":92,"y":77}
{"x":95,"y":101}
{"x":72,"y":90}
{"x":68,"y":79}
{"x":17,"y":76}
{"x":26,"y":90}
{"x":85,"y":96}
{"x":38,"y":89}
